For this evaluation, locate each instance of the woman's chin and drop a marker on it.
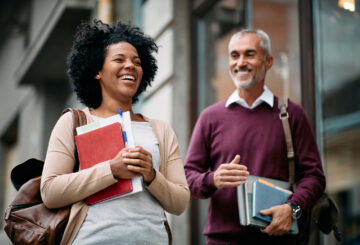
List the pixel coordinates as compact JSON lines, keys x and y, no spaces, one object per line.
{"x":127,"y":95}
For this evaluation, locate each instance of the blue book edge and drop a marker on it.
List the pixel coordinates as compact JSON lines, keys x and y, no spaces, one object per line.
{"x":267,"y":218}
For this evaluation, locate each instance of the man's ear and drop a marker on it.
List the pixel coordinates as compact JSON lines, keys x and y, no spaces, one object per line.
{"x":269,"y":62}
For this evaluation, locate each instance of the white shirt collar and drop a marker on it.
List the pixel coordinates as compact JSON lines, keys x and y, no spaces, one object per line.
{"x":266,"y":96}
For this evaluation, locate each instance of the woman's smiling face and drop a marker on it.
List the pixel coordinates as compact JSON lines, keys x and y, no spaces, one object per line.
{"x":121,"y":73}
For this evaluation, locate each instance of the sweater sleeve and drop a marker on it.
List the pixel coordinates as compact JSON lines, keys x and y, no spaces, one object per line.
{"x":169,"y":186}
{"x":308,"y":168}
{"x":197,"y":168}
{"x":60,"y":186}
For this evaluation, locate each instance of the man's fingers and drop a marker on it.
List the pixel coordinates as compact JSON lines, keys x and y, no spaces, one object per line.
{"x":230,"y":167}
{"x":281,"y":220}
{"x":236,"y":159}
{"x":230,"y":174}
{"x":234,"y":172}
{"x":232,"y":178}
{"x":266,"y":212}
{"x":230,"y":184}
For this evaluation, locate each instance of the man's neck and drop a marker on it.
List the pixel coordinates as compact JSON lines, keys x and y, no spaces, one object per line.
{"x":251,"y":94}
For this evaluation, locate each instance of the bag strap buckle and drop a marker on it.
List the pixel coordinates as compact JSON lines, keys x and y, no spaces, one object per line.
{"x":283,"y":115}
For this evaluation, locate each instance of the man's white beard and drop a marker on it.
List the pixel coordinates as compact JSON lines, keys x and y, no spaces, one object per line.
{"x":242,"y":85}
{"x":251,"y":82}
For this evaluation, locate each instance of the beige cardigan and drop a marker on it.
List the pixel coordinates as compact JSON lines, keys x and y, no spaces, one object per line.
{"x":61,"y":187}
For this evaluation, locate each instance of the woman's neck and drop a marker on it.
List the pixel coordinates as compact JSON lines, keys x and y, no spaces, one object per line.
{"x":110,"y":109}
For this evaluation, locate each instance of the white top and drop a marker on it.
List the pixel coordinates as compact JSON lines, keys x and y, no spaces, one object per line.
{"x":134,"y":219}
{"x":267,"y":96}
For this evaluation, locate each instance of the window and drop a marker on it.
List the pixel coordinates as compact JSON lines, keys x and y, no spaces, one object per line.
{"x":337,"y":43}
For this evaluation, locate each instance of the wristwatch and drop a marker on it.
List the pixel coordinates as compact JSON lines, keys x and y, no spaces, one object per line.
{"x":296,"y":210}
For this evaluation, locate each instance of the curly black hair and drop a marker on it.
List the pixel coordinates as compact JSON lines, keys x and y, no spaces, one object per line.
{"x":88,"y":52}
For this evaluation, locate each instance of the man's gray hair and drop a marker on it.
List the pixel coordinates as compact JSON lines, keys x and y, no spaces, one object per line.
{"x":265,"y":42}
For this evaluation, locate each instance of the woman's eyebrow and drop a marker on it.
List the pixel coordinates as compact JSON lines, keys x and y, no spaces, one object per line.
{"x":122,"y":55}
{"x":118,"y":55}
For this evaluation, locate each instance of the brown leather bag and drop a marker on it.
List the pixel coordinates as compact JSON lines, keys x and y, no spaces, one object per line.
{"x":27,"y":219}
{"x":323,"y":216}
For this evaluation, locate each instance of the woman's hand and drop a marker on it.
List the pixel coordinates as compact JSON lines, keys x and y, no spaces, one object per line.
{"x":119,"y":168}
{"x":139,"y":161}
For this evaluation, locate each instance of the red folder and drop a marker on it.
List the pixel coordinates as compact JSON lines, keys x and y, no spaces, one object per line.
{"x":101,"y":145}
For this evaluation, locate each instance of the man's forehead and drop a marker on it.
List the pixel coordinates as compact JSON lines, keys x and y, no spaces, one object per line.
{"x":248,"y":41}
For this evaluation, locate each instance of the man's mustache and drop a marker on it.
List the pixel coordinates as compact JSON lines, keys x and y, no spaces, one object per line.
{"x":242,"y":68}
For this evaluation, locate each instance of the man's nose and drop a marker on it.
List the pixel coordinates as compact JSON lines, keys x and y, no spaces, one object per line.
{"x":241,"y":61}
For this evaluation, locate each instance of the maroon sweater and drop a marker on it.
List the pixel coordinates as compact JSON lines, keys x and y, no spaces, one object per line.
{"x":257,"y":135}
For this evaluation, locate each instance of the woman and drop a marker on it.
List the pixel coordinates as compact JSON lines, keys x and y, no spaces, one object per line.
{"x":110,"y":67}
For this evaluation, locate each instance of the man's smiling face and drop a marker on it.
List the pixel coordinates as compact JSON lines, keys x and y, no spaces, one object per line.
{"x":248,"y":61}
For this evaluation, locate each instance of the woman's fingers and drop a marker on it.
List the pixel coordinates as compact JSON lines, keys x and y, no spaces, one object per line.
{"x":139,"y":149}
{"x":136,"y":161}
{"x":139,"y":160}
{"x":119,"y":168}
{"x":136,"y":155}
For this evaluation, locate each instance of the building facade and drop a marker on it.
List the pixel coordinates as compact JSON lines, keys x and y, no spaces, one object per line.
{"x":315,"y":45}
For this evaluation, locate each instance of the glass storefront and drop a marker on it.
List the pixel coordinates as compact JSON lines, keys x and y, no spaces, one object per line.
{"x":282,"y":25}
{"x":337,"y":50}
{"x":212,"y":29}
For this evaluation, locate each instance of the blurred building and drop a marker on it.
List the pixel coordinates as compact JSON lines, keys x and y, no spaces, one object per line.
{"x":316,"y":45}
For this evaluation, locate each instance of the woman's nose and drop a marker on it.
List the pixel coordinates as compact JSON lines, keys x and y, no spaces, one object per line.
{"x":129,"y":64}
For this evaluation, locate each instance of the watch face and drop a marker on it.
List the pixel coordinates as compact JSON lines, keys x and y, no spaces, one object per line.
{"x":297,"y":213}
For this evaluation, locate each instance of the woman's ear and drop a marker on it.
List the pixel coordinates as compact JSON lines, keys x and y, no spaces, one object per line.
{"x":98,"y":75}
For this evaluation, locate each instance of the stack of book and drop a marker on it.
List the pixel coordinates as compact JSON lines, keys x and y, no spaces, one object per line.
{"x":258,"y":193}
{"x":101,"y":141}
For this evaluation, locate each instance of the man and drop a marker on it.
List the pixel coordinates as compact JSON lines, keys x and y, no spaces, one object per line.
{"x":243,"y":135}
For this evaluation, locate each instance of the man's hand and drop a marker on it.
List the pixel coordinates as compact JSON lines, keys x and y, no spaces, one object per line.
{"x":281,"y":220}
{"x":230,"y":174}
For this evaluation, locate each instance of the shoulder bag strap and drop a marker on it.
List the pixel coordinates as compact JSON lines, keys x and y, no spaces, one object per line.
{"x":79,"y":119}
{"x":284,"y":117}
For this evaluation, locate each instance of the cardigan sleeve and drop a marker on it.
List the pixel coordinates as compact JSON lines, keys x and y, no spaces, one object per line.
{"x":169,"y":186}
{"x":60,"y":186}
